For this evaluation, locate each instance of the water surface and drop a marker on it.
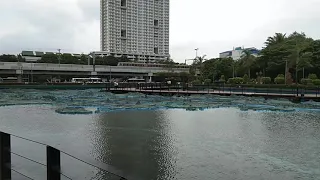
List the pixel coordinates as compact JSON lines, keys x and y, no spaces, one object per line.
{"x":221,"y":142}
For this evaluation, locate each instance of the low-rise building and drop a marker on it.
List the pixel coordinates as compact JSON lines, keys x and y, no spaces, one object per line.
{"x":237,"y":52}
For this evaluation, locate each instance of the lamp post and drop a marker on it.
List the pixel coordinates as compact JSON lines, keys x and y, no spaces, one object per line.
{"x":285,"y":72}
{"x":94,"y":61}
{"x":59,"y":54}
{"x":233,"y":73}
{"x":196,"y":52}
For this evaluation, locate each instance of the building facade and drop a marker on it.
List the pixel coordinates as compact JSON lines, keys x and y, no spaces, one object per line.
{"x":138,"y":29}
{"x":236,"y":53}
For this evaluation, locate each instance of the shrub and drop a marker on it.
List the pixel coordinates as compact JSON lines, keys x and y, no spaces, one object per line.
{"x":222,"y":78}
{"x":280,"y":75}
{"x":207,"y":81}
{"x":312,"y":76}
{"x":236,"y":80}
{"x":246,"y":78}
{"x":306,"y":81}
{"x":196,"y":82}
{"x":231,"y":80}
{"x":279,"y":80}
{"x":316,"y":82}
{"x":266,"y":80}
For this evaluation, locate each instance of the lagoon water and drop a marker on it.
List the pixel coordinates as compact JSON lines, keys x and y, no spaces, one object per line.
{"x":164,"y":138}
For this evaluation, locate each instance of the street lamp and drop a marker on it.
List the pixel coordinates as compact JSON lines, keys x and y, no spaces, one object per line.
{"x":196,"y":52}
{"x":59,"y":50}
{"x":285,"y":72}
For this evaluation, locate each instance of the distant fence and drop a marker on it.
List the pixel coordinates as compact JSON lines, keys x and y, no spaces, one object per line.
{"x":53,"y":165}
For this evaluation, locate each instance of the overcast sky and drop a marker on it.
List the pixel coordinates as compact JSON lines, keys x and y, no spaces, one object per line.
{"x":212,"y":26}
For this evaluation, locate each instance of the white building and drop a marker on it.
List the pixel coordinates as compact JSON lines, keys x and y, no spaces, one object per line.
{"x":136,"y":28}
{"x":236,"y":53}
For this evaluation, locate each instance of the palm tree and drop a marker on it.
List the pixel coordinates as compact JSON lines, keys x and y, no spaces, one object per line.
{"x":277,"y":38}
{"x":199,"y":63}
{"x":248,"y":60}
{"x":299,"y":56}
{"x":301,"y":60}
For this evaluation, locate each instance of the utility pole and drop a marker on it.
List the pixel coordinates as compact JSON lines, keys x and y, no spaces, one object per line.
{"x":59,"y":59}
{"x":59,"y":54}
{"x":94,"y":61}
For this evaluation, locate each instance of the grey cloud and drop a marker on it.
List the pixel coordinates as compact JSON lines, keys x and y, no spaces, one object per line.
{"x":53,"y":26}
{"x":72,"y":25}
{"x":90,"y":9}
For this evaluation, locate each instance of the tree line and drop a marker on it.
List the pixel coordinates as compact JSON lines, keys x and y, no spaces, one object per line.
{"x":285,"y":59}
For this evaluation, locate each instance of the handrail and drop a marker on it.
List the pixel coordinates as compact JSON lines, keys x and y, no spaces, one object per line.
{"x":53,"y":160}
{"x":302,"y":93}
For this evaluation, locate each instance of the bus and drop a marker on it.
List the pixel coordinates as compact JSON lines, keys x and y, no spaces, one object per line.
{"x":86,"y":80}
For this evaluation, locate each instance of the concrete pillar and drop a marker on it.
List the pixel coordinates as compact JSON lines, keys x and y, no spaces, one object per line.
{"x":150,"y":76}
{"x":19,"y":78}
{"x":19,"y":75}
{"x":94,"y":62}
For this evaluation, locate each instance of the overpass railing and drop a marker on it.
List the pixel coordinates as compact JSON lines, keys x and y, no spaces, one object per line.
{"x":79,"y":67}
{"x":53,"y":161}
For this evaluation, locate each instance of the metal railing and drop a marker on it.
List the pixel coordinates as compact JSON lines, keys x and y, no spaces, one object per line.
{"x":222,"y":90}
{"x":83,"y":68}
{"x":53,"y":161}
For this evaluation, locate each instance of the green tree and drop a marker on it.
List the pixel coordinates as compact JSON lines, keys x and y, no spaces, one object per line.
{"x":312,"y":76}
{"x":8,"y":58}
{"x":248,"y":60}
{"x":246,"y":78}
{"x":49,"y":58}
{"x":20,"y":58}
{"x":84,"y":59}
{"x":276,"y":39}
{"x":68,"y":59}
{"x":299,"y":54}
{"x":215,"y":68}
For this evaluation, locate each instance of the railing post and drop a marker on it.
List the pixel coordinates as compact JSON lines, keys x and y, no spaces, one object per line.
{"x":53,"y":164}
{"x":5,"y":156}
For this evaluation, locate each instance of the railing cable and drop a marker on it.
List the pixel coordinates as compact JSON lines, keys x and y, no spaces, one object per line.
{"x":66,"y":176}
{"x":110,"y":171}
{"x":28,"y":159}
{"x":91,"y":164}
{"x":21,"y":174}
{"x":28,"y":140}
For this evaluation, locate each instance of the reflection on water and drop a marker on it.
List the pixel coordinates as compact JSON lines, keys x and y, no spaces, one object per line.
{"x":138,"y":142}
{"x":223,"y":143}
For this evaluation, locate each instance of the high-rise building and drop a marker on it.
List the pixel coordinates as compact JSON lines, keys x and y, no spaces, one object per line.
{"x":138,"y":29}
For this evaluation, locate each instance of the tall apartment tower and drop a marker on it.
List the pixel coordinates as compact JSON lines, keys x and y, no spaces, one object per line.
{"x":138,"y":29}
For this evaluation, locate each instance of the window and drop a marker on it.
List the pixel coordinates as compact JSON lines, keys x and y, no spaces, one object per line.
{"x":123,"y":3}
{"x":156,"y":22}
{"x":123,"y":33}
{"x":156,"y":50}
